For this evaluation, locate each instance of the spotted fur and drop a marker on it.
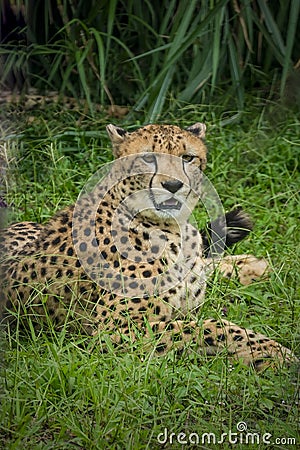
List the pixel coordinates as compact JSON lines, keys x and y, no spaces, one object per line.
{"x":126,"y":258}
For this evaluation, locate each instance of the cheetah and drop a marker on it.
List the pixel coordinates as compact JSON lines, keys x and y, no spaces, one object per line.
{"x":125,"y":259}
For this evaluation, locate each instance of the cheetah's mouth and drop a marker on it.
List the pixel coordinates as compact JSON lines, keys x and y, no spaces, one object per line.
{"x":170,"y":203}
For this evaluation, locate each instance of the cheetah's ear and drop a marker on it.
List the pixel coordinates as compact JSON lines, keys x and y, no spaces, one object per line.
{"x":116,"y":134}
{"x":198,"y":129}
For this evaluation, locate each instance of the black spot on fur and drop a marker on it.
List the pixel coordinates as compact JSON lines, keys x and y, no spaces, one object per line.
{"x":82,"y":247}
{"x":63,"y":247}
{"x":209,"y":341}
{"x":238,"y":338}
{"x":161,"y":347}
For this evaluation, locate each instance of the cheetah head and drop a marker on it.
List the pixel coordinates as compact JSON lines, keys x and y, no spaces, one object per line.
{"x":164,"y":169}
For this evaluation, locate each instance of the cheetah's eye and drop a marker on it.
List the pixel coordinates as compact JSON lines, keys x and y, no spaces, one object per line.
{"x":188,"y":158}
{"x":149,"y":158}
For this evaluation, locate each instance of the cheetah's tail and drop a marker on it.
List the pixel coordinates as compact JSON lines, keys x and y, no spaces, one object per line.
{"x":216,"y":238}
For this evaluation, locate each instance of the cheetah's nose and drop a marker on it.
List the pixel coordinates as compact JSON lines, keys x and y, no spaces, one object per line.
{"x":172,"y":186}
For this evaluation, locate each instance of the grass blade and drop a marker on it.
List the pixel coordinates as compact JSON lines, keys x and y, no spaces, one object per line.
{"x":157,"y":105}
{"x":291,"y":33}
{"x":217,"y":42}
{"x":272,"y":27}
{"x":236,"y":74}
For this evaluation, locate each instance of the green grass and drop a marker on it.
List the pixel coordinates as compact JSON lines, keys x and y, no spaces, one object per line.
{"x":61,"y":393}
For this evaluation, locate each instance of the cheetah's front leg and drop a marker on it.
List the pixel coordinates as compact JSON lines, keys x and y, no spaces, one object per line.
{"x":215,"y":336}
